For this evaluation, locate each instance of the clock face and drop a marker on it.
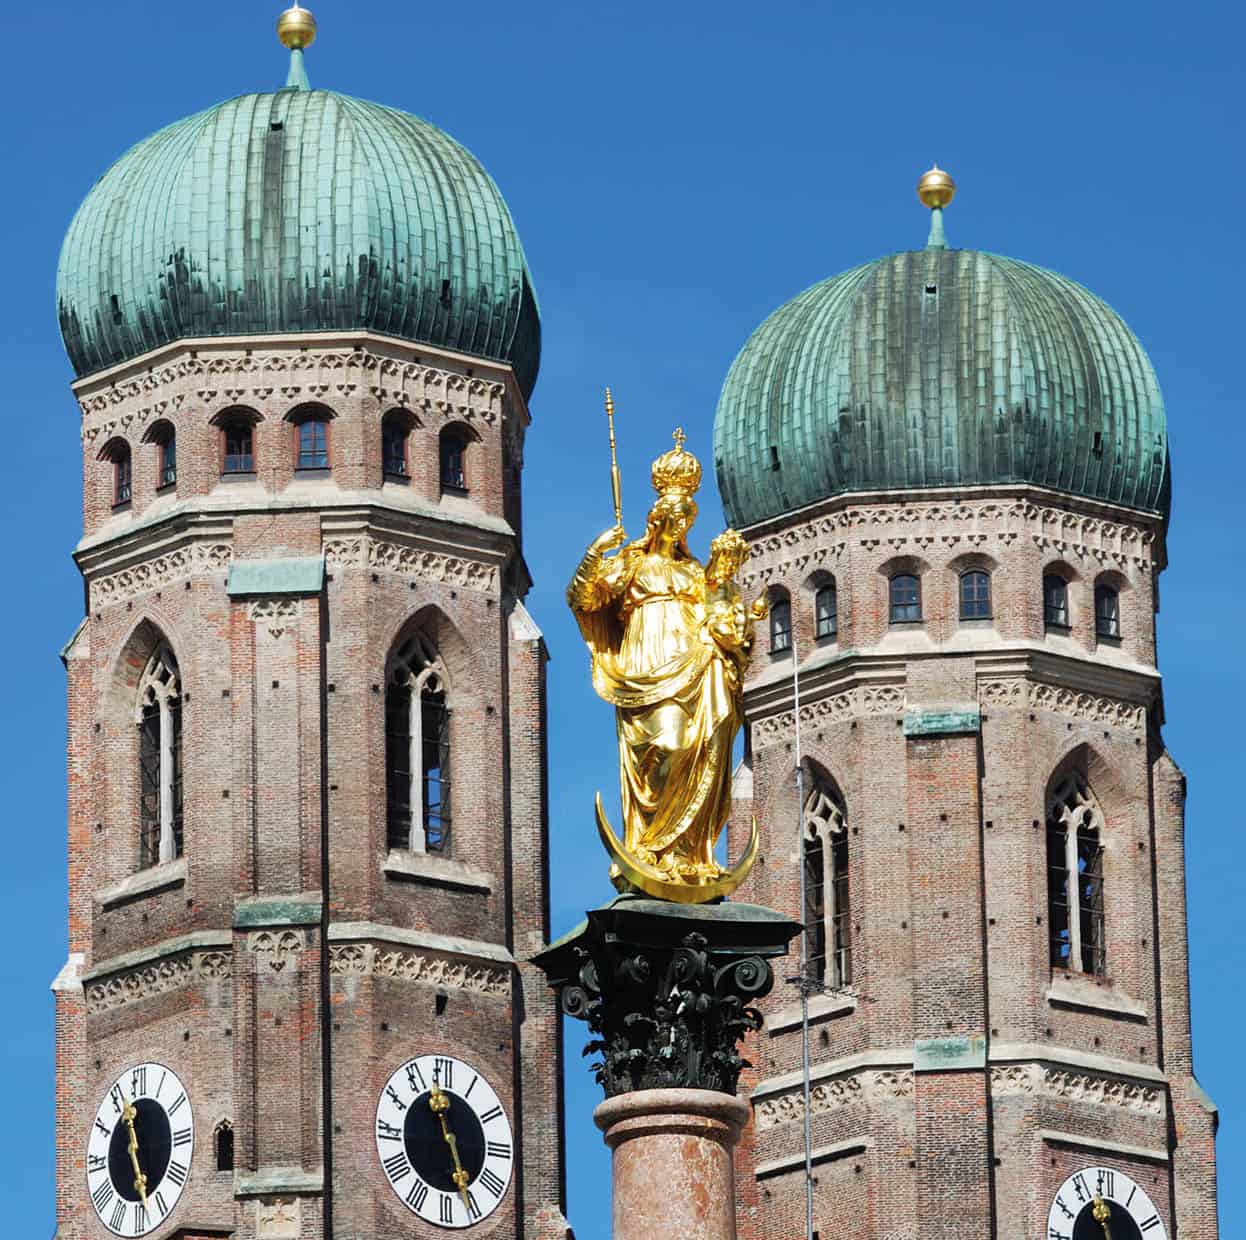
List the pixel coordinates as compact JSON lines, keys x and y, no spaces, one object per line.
{"x":444,"y":1141}
{"x":1131,"y":1213}
{"x":139,"y":1150}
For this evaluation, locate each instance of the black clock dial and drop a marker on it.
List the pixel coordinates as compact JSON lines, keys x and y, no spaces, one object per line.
{"x":427,"y":1150}
{"x":154,"y":1151}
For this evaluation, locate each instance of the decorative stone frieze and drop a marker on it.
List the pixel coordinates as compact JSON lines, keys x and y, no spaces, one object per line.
{"x":850,"y":704}
{"x":370,"y":960}
{"x":833,"y":1095}
{"x":1036,"y":1080}
{"x":158,"y":978}
{"x":153,"y":574}
{"x":274,"y":949}
{"x":1017,"y":1078}
{"x":240,"y":378}
{"x":275,"y":614}
{"x":410,"y":562}
{"x":1090,"y":707}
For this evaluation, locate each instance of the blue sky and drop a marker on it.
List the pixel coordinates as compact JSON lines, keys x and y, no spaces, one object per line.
{"x":676,"y":171}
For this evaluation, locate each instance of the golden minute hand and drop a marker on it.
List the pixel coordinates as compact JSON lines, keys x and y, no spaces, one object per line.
{"x":128,"y":1114}
{"x":440,"y":1104}
{"x":1103,"y":1212}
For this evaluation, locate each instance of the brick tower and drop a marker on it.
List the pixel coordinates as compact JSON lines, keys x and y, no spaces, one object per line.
{"x":953,"y":468}
{"x":307,"y":810}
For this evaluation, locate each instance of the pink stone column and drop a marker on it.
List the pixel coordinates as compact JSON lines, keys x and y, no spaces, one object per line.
{"x":672,"y":1162}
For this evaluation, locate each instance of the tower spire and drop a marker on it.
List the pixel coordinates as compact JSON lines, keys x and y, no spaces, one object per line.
{"x":296,"y":28}
{"x":936,"y":189}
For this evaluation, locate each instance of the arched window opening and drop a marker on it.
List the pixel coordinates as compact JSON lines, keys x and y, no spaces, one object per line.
{"x":826,"y":916}
{"x":395,"y":436}
{"x":312,"y":443}
{"x":224,"y":1143}
{"x":1075,"y":878}
{"x":1055,"y":601}
{"x":237,"y":445}
{"x":826,"y":612}
{"x":906,"y":599}
{"x":160,"y":760}
{"x":780,"y":625}
{"x":165,"y":439}
{"x":453,"y":445}
{"x":417,"y":748}
{"x":1107,"y":612}
{"x":975,"y":595}
{"x":122,"y":474}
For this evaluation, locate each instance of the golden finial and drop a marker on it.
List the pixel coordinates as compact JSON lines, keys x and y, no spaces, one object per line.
{"x":936,"y":188}
{"x":296,"y":28}
{"x":680,"y":438}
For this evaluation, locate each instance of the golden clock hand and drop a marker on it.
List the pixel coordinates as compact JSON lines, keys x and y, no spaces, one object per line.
{"x":128,"y":1115}
{"x":439,"y":1105}
{"x":1103,"y":1213}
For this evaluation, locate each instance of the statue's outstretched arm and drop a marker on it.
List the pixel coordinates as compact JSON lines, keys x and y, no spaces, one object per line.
{"x":596,"y":579}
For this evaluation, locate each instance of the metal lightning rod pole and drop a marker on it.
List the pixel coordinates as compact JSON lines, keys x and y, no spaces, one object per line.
{"x":804,"y":938}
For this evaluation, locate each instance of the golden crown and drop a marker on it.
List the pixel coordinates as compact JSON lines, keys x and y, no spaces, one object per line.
{"x":676,"y":472}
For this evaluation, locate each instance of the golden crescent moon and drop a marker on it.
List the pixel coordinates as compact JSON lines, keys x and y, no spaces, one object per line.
{"x":654,"y":883}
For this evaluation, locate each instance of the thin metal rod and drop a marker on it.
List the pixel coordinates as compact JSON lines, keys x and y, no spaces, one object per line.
{"x":804,"y":939}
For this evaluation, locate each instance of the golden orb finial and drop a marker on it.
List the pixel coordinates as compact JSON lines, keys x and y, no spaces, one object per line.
{"x":936,"y":188}
{"x":296,"y":28}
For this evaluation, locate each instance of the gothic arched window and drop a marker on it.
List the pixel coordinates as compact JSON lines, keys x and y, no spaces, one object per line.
{"x":824,"y":843}
{"x":1107,"y":612}
{"x":1075,"y":878}
{"x":118,"y":454}
{"x":417,"y":749}
{"x":160,"y":759}
{"x":826,"y":611}
{"x":780,"y":623}
{"x":453,"y":456}
{"x":237,"y":429}
{"x":906,"y":598}
{"x":224,"y":1142}
{"x":395,"y":436}
{"x":1055,"y":601}
{"x":164,"y":437}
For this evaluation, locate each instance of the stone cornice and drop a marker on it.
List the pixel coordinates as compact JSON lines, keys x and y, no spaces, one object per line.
{"x":202,"y":956}
{"x":367,"y":949}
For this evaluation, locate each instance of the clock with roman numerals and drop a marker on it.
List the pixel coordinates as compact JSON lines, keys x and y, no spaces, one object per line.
{"x":139,"y":1150}
{"x":1097,"y":1203}
{"x":444,"y":1141}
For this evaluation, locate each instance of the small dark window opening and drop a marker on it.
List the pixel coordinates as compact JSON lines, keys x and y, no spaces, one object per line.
{"x":239,"y":455}
{"x":313,"y":441}
{"x":774,"y":457}
{"x":122,"y":478}
{"x":225,"y":1147}
{"x":168,"y":460}
{"x":445,"y":292}
{"x":932,"y":288}
{"x":453,"y":451}
{"x":1098,"y":445}
{"x":826,"y":612}
{"x":1107,"y":612}
{"x":906,"y":599}
{"x":975,"y":595}
{"x":1055,"y":601}
{"x":277,"y":126}
{"x":780,"y":626}
{"x":394,"y":448}
{"x":117,"y":316}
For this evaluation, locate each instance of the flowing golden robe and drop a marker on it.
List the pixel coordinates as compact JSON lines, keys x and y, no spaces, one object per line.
{"x":676,"y":693}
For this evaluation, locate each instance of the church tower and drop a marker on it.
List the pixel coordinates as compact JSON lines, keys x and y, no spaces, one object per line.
{"x":307,"y":803}
{"x":953,"y":468}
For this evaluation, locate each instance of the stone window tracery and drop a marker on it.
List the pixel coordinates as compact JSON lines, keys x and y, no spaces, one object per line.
{"x":824,"y":844}
{"x":417,"y":749}
{"x":159,"y":719}
{"x":1075,"y":827}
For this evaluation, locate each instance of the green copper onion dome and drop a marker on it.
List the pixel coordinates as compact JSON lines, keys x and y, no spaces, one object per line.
{"x":299,"y":210}
{"x":940,"y":368}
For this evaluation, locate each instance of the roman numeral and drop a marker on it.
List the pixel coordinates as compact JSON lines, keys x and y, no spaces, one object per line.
{"x":1107,"y":1183}
{"x":1064,"y":1209}
{"x":140,"y":1218}
{"x":418,"y":1194}
{"x":501,"y":1149}
{"x":492,"y":1182}
{"x":473,"y":1210}
{"x":99,"y":1123}
{"x":176,"y":1173}
{"x":118,"y":1099}
{"x":447,"y":1208}
{"x":1131,"y":1196}
{"x":138,"y":1082}
{"x":443,"y":1072}
{"x":1081,"y":1188}
{"x":392,"y":1094}
{"x":1153,"y":1221}
{"x":387,"y":1132}
{"x":96,"y":1162}
{"x":159,"y":1087}
{"x":118,"y":1215}
{"x":159,"y":1200}
{"x":181,"y":1137}
{"x":181,"y":1098}
{"x":492,"y":1113}
{"x":396,"y":1167}
{"x":1053,"y":1234}
{"x":471,"y":1087}
{"x":415,"y":1078}
{"x":102,"y":1196}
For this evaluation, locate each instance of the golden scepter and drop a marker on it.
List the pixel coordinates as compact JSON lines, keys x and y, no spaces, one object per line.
{"x":615,"y":483}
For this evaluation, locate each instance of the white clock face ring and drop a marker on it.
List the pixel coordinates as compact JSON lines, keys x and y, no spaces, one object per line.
{"x":1130,"y":1213}
{"x":444,"y":1141}
{"x":139,"y":1150}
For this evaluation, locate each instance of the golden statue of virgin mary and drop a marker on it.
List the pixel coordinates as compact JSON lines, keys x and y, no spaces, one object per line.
{"x":670,"y":641}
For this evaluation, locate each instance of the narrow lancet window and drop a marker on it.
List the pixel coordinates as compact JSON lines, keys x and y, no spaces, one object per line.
{"x":160,"y":760}
{"x":1075,"y":878}
{"x":1107,"y":612}
{"x":825,"y":846}
{"x":780,"y":625}
{"x":826,"y":612}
